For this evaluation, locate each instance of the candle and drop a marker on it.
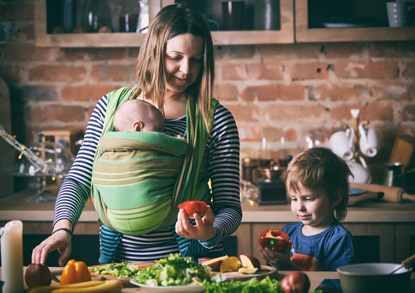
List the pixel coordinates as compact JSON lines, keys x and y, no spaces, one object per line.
{"x":12,"y":257}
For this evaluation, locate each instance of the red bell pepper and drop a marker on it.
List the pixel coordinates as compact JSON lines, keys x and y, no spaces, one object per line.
{"x":276,"y":240}
{"x":194,"y":207}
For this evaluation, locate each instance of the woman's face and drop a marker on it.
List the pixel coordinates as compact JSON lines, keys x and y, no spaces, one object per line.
{"x":183,"y":61}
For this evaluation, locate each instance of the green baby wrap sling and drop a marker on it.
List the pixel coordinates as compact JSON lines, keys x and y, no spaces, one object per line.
{"x":139,"y":178}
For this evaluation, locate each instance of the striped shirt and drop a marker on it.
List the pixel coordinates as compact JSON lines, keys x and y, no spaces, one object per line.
{"x":223,"y":167}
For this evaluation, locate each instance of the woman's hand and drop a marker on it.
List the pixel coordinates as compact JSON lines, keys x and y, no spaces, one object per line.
{"x":203,"y":230}
{"x":61,"y":241}
{"x":281,"y":261}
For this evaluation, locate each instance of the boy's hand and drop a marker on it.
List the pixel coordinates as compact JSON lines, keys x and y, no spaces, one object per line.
{"x":281,"y":261}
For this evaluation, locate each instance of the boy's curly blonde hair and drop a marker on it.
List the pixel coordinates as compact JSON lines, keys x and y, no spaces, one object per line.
{"x":320,"y":168}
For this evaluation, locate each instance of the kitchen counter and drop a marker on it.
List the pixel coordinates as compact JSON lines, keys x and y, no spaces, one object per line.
{"x":373,"y":211}
{"x":387,"y":227}
{"x":315,"y":278}
{"x":14,"y":207}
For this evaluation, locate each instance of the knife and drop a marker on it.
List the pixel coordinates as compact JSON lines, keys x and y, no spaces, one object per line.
{"x":55,"y":278}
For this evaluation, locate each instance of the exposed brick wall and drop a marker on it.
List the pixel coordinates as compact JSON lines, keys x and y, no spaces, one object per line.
{"x":275,"y":91}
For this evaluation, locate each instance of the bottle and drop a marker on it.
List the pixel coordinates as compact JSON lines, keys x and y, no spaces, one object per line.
{"x":96,"y":16}
{"x":143,"y":21}
{"x":266,"y":15}
{"x":69,"y":15}
{"x":128,"y":17}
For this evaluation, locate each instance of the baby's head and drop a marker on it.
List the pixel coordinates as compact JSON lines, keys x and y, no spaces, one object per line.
{"x":319,"y":168}
{"x":138,"y":115}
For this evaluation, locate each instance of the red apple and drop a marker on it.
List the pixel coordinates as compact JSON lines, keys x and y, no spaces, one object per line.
{"x":249,"y":261}
{"x":214,"y":263}
{"x":229,"y":264}
{"x":38,"y":275}
{"x":295,"y":282}
{"x":247,"y":270}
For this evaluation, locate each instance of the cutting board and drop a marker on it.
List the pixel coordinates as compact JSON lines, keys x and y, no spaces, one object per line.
{"x":404,"y":152}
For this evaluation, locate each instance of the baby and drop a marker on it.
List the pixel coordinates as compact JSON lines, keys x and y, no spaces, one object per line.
{"x":138,"y":115}
{"x":132,"y":156}
{"x":317,"y":185}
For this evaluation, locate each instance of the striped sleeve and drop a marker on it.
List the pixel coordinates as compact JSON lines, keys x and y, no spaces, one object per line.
{"x":224,"y":149}
{"x":75,"y":189}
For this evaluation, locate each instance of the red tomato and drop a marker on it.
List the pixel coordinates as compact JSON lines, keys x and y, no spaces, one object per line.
{"x":277,"y":240}
{"x":194,"y":207}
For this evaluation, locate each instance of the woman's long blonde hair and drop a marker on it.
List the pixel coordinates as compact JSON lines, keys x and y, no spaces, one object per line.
{"x":171,"y":21}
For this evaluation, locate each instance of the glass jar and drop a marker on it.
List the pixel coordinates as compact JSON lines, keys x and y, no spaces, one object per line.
{"x":96,"y":16}
{"x":128,"y":17}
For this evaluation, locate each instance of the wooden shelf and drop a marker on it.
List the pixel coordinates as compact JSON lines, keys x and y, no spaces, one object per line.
{"x":305,"y":34}
{"x":294,"y":29}
{"x":284,"y":35}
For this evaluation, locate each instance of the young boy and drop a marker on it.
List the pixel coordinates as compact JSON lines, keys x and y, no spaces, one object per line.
{"x":317,"y":184}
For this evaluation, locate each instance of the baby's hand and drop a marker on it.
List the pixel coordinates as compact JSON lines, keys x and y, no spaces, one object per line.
{"x":179,"y":137}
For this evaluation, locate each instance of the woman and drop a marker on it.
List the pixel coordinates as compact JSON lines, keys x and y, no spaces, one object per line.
{"x":175,"y":64}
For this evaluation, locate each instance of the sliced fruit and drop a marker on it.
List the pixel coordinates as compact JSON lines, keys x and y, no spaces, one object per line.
{"x":215,"y":263}
{"x":247,"y":270}
{"x":249,"y":261}
{"x":230,"y":264}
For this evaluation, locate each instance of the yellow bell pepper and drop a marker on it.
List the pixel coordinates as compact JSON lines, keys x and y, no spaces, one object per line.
{"x":75,"y":272}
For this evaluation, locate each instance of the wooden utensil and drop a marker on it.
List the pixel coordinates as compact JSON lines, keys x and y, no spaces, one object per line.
{"x":407,"y":263}
{"x":365,"y":196}
{"x":392,"y":194}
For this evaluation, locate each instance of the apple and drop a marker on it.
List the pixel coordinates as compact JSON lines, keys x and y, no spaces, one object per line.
{"x":295,"y":282}
{"x":247,"y":270}
{"x":215,"y":263}
{"x":37,"y":275}
{"x":249,"y":261}
{"x":229,"y":264}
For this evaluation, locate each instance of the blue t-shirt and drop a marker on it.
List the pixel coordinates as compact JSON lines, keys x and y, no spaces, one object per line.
{"x":325,"y":251}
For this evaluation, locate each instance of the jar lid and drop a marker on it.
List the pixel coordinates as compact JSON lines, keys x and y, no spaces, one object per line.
{"x":250,"y":162}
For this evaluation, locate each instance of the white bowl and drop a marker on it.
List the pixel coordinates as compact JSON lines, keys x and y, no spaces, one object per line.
{"x":374,"y":277}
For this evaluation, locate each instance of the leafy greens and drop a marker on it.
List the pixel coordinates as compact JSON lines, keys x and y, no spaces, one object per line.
{"x":174,"y":270}
{"x":122,"y":270}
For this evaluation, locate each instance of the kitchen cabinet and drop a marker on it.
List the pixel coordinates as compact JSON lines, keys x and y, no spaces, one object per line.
{"x":301,"y":21}
{"x":85,"y":241}
{"x":383,"y":231}
{"x":284,"y":35}
{"x":346,"y":21}
{"x":404,"y":240}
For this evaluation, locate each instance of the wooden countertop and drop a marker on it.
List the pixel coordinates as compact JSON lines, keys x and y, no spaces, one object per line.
{"x":315,"y":278}
{"x":15,"y":207}
{"x":366,"y":211}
